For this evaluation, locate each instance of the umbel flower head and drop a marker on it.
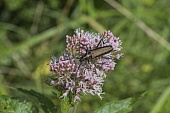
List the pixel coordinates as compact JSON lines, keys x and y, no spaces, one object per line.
{"x":81,"y":68}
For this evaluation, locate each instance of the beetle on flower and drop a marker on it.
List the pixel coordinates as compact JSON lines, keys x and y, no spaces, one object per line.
{"x":88,"y":56}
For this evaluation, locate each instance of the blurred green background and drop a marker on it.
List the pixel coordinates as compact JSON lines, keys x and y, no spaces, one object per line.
{"x":32,"y":31}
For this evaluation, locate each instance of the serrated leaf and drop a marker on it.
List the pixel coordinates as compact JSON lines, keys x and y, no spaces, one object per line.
{"x":16,"y":105}
{"x":122,"y":106}
{"x":46,"y":104}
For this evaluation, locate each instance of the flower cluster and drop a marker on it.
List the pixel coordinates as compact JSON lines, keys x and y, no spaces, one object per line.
{"x":76,"y":72}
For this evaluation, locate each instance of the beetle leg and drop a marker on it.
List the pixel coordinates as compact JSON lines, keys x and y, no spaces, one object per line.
{"x":100,"y":42}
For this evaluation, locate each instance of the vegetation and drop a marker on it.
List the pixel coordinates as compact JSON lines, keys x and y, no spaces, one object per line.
{"x":32,"y":31}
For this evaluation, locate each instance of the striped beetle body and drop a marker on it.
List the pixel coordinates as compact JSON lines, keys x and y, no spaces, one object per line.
{"x":98,"y":51}
{"x":101,"y":51}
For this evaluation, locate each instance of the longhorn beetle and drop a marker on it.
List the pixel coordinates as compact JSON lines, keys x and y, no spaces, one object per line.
{"x":98,"y":51}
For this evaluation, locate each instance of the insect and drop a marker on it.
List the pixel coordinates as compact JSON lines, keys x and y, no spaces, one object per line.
{"x":98,"y":51}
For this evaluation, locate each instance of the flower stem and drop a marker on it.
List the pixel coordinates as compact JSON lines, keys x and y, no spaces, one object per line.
{"x":75,"y":107}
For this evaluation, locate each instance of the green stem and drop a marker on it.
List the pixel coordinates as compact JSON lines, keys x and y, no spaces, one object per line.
{"x":75,"y":107}
{"x":161,"y":101}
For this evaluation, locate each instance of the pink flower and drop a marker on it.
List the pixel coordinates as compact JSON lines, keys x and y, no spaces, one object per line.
{"x":76,"y":72}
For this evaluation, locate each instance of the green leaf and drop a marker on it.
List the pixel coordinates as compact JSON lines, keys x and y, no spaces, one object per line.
{"x":46,"y":104}
{"x":122,"y":106}
{"x":65,"y":106}
{"x":16,"y":105}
